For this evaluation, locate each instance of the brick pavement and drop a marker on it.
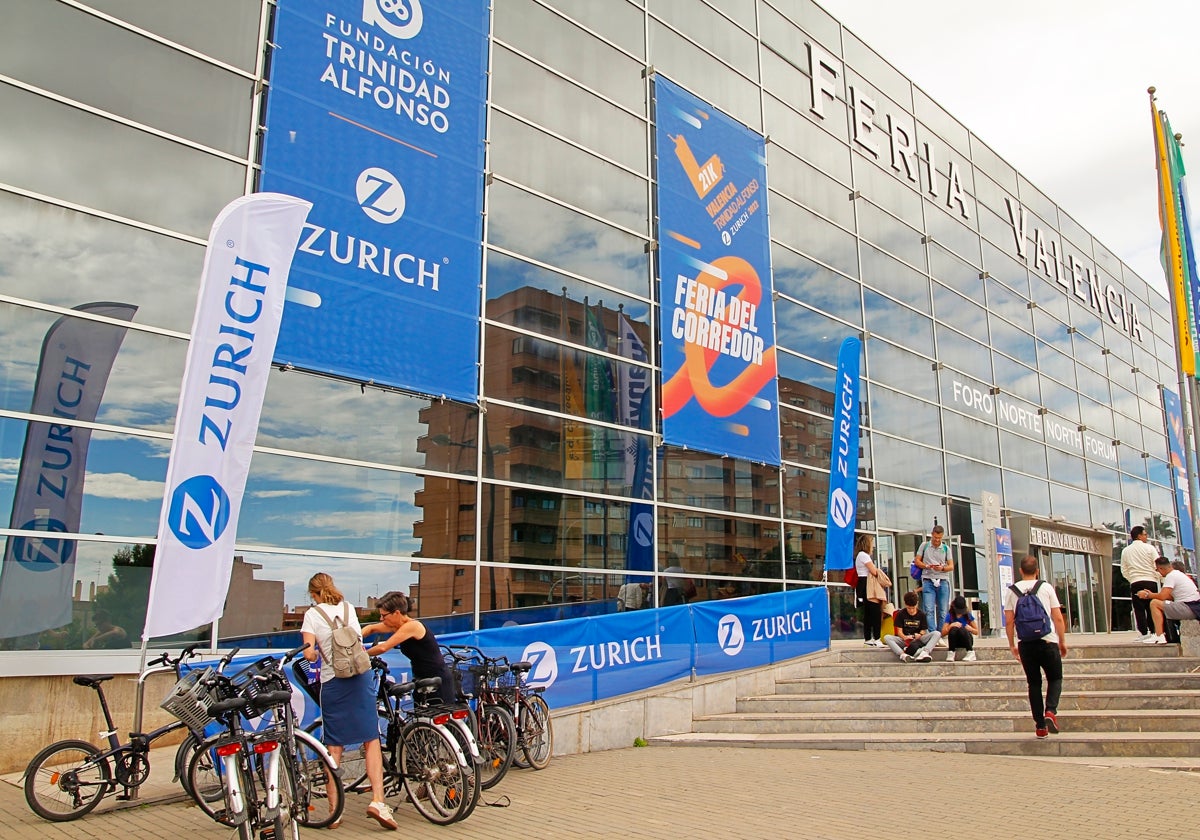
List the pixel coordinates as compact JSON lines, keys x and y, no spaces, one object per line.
{"x":743,"y":792}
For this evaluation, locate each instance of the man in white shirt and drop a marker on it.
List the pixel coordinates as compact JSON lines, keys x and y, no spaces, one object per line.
{"x":1178,"y":600}
{"x":1137,"y":567}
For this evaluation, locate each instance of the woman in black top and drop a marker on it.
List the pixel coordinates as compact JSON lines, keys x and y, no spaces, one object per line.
{"x":415,"y":641}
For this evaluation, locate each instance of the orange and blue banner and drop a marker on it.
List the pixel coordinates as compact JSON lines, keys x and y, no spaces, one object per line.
{"x":1175,"y":442}
{"x":720,"y":392}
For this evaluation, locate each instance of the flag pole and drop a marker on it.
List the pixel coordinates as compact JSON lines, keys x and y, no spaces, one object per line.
{"x":1185,"y":359}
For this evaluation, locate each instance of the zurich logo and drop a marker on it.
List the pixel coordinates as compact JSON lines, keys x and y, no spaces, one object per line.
{"x":545,"y":664}
{"x":199,"y":511}
{"x":380,"y":195}
{"x":729,"y":635}
{"x":841,"y":507}
{"x":398,"y":18}
{"x":42,"y":554}
{"x":643,"y":529}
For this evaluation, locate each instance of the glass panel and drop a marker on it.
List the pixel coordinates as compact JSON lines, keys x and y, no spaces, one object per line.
{"x":682,"y":61}
{"x":718,"y":546}
{"x":901,"y":369}
{"x":225,"y":29}
{"x":143,"y":358}
{"x":900,"y":462}
{"x":804,"y":231}
{"x":557,"y":169}
{"x":805,"y":551}
{"x":889,"y":319}
{"x":895,"y":278}
{"x":815,"y":285}
{"x":621,"y":23}
{"x":805,"y":495}
{"x":57,"y":150}
{"x":1025,"y":494}
{"x":970,"y":437}
{"x":65,"y":258}
{"x":806,"y":437}
{"x":115,"y":70}
{"x":532,"y":91}
{"x":1022,"y":452}
{"x":795,"y":371}
{"x":900,"y":414}
{"x":807,"y":185}
{"x":703,"y":26}
{"x":552,"y":40}
{"x":697,"y":479}
{"x":801,"y":329}
{"x":567,"y":239}
{"x":809,"y":140}
{"x":958,"y":312}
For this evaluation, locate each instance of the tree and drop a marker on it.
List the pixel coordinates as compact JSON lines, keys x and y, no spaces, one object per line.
{"x":128,"y":588}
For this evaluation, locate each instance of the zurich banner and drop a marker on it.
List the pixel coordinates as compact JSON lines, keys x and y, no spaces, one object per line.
{"x":38,"y":573}
{"x":375,"y":114}
{"x":843,"y":460}
{"x":759,"y":630}
{"x":239,"y":305}
{"x":719,"y":391}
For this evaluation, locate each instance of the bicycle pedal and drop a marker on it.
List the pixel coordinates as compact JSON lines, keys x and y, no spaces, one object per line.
{"x":267,"y":833}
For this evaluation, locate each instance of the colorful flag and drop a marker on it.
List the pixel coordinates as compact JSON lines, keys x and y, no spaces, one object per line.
{"x":39,"y":572}
{"x":1172,"y":242}
{"x":1187,"y":251}
{"x":240,"y":304}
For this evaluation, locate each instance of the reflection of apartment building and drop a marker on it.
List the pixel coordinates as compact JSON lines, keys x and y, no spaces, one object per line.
{"x":252,"y":606}
{"x":531,"y":526}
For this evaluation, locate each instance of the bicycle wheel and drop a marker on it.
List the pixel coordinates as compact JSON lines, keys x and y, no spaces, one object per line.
{"x":434,"y":780}
{"x":473,"y":767}
{"x":320,"y":795}
{"x":287,"y":821}
{"x":206,"y":776}
{"x":497,"y":737}
{"x":537,"y":734}
{"x":66,"y":780}
{"x":209,"y":780}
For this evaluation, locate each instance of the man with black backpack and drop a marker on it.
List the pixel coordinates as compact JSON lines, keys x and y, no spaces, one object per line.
{"x":1037,"y":636}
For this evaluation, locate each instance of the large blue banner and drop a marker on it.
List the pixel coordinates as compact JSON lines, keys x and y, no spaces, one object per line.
{"x":1175,"y":438}
{"x":719,"y":391}
{"x":751,"y":632}
{"x":376,"y":115}
{"x":843,"y":460}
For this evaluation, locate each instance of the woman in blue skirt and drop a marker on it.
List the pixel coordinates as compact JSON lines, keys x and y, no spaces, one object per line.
{"x":348,"y":711}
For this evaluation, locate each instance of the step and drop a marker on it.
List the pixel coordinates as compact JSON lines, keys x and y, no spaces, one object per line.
{"x":1007,"y":665}
{"x":944,"y":723}
{"x":994,"y":649}
{"x":955,"y":701}
{"x":918,"y":678}
{"x":1066,"y":745}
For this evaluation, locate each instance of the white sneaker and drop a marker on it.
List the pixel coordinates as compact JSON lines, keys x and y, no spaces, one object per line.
{"x":923,"y":656}
{"x":949,"y":656}
{"x":970,"y":657}
{"x":904,"y":657}
{"x":1154,"y":640}
{"x":942,"y":643}
{"x":381,"y":812}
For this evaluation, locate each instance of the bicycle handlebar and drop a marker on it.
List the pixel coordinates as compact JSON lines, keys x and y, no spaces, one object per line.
{"x":293,"y":653}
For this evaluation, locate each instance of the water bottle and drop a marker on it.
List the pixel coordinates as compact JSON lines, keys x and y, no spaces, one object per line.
{"x":314,"y":672}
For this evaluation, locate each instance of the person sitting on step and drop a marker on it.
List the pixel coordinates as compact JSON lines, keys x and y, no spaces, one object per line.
{"x":960,"y":627}
{"x":912,"y":642}
{"x":1178,"y":599}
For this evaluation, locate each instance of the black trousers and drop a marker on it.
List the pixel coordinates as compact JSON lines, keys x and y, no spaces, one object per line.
{"x":872,"y":613}
{"x":1038,"y":656}
{"x":960,"y":638}
{"x":1141,"y":608}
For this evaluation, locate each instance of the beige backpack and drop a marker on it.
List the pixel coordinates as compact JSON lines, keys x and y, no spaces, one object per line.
{"x":347,"y":656}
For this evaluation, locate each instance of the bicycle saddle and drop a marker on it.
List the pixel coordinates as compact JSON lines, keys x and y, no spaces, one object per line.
{"x":92,"y":680}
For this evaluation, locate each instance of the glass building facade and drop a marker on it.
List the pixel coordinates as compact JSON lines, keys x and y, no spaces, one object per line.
{"x":1005,"y":350}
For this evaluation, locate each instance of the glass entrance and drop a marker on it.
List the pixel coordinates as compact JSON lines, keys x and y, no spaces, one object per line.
{"x":1076,"y":580}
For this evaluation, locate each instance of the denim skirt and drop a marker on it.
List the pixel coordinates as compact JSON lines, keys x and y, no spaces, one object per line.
{"x":348,"y":710}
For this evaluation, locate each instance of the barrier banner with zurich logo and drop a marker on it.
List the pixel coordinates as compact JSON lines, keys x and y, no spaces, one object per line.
{"x":375,"y":114}
{"x":751,"y":632}
{"x":585,"y":659}
{"x":719,"y":392}
{"x":843,"y":460}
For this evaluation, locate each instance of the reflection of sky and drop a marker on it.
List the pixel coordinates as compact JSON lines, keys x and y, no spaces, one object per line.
{"x":357,"y":578}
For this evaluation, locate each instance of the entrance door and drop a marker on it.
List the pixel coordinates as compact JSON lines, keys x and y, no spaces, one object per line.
{"x":1077,"y":585}
{"x":896,"y":552}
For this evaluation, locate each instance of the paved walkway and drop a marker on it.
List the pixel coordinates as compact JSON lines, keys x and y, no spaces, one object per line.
{"x":743,"y":792}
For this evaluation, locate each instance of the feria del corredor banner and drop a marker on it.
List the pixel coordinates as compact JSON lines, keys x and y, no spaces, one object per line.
{"x":375,"y":114}
{"x":718,"y":333}
{"x":238,"y":310}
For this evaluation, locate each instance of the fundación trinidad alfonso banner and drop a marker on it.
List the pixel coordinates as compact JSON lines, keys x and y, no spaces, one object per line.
{"x":38,"y":573}
{"x":375,"y":114}
{"x":720,"y":393}
{"x":843,"y":459}
{"x":238,"y":311}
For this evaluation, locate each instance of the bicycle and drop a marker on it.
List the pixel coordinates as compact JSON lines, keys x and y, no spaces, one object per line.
{"x":476,"y":680}
{"x":423,"y":756}
{"x":271,"y":778}
{"x":68,"y":778}
{"x":535,"y":733}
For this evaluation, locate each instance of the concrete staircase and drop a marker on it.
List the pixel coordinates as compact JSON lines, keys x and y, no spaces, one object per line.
{"x":1120,"y":699}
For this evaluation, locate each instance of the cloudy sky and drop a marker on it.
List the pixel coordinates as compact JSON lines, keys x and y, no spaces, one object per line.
{"x":1058,"y":89}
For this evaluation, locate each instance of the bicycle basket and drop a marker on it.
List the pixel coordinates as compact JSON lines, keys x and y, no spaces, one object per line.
{"x":464,"y":680}
{"x":248,"y":685}
{"x":190,"y":698}
{"x":308,"y":677}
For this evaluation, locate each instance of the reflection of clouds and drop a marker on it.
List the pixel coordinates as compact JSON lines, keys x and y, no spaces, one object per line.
{"x":357,"y":578}
{"x":281,"y":494}
{"x":123,"y":486}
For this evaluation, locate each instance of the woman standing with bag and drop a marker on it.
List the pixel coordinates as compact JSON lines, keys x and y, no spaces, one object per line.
{"x":347,"y":703}
{"x":864,"y":544}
